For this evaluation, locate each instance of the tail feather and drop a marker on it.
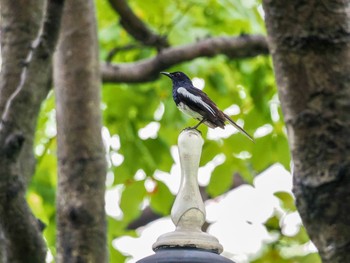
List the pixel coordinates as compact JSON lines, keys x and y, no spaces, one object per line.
{"x":238,"y":127}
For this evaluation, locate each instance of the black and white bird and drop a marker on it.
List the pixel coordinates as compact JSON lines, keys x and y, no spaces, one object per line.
{"x":197,"y":104}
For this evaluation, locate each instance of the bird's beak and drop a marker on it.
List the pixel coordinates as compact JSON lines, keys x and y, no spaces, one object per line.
{"x":166,"y":74}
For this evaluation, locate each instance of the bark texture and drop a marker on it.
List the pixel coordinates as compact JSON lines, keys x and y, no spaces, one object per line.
{"x":16,"y":35}
{"x":81,"y":229}
{"x":21,"y":230}
{"x":310,"y":45}
{"x":20,"y":23}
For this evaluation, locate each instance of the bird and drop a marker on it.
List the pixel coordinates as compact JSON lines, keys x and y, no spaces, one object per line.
{"x":196,"y":104}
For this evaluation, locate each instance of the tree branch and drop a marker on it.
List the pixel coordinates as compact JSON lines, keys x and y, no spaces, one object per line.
{"x":148,"y":69}
{"x":20,"y":227}
{"x":135,"y":27}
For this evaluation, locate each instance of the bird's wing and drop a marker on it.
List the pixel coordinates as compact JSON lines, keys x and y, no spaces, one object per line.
{"x":197,"y":99}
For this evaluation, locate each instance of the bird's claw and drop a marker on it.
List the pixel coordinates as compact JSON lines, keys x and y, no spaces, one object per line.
{"x":192,"y":128}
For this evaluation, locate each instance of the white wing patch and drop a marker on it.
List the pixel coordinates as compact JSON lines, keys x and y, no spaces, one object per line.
{"x":195,"y":98}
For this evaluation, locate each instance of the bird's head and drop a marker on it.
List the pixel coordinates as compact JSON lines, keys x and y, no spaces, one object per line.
{"x":178,"y":77}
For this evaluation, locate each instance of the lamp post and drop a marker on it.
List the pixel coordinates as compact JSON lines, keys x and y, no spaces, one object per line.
{"x":188,"y":243}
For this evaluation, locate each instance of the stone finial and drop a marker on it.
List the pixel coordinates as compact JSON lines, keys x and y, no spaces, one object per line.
{"x":188,"y":212}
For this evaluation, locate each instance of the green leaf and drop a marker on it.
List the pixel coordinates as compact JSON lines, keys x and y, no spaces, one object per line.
{"x":270,"y":149}
{"x":255,"y":118}
{"x":301,"y":237}
{"x":236,"y":144}
{"x":218,"y":82}
{"x":287,"y":199}
{"x":271,"y":255}
{"x":115,"y":256}
{"x":283,"y":152}
{"x":273,"y":224}
{"x":131,"y":200}
{"x":209,"y":151}
{"x":50,"y":234}
{"x":122,"y":174}
{"x":161,"y":199}
{"x":160,"y":153}
{"x":115,"y":229}
{"x":310,"y":258}
{"x":220,"y":181}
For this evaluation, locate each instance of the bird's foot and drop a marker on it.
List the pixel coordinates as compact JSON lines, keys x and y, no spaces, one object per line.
{"x":192,"y":128}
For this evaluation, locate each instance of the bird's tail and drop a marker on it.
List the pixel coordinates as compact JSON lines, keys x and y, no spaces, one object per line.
{"x":238,"y":127}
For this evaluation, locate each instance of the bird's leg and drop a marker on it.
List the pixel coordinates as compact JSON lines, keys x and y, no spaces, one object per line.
{"x":195,"y":127}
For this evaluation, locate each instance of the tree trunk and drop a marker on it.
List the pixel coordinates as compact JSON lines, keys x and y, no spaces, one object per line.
{"x":20,"y":22}
{"x":81,"y":155}
{"x":310,"y":47}
{"x":20,"y":104}
{"x":17,"y":32}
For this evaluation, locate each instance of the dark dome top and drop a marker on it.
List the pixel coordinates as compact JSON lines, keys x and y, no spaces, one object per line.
{"x":184,"y":255}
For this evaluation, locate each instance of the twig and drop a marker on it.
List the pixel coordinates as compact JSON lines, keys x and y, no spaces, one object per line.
{"x":135,"y":27}
{"x":115,"y":50}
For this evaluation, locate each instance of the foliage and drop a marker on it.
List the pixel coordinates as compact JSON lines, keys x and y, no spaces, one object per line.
{"x":127,"y":108}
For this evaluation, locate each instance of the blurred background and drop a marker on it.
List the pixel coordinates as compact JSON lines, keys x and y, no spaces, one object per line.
{"x":247,"y":187}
